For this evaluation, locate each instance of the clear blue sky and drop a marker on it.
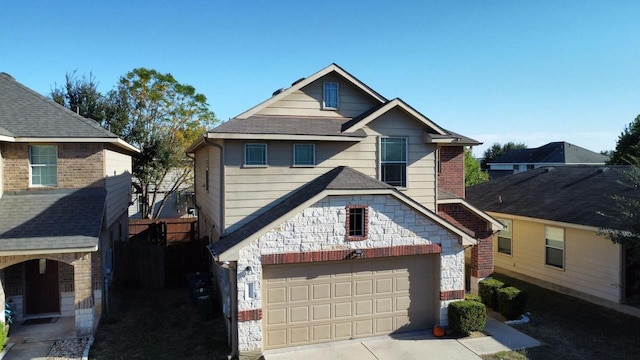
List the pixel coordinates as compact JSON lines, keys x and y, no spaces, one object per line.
{"x":497,"y":71}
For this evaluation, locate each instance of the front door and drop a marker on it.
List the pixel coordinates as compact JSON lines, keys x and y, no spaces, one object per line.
{"x":42,"y":294}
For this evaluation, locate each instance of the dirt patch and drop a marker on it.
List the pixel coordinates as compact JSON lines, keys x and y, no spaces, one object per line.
{"x":158,"y":324}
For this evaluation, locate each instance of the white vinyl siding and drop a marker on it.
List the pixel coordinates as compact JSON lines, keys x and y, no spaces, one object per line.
{"x":44,"y":165}
{"x":255,"y":154}
{"x":393,"y":161}
{"x":331,"y":95}
{"x":304,"y":154}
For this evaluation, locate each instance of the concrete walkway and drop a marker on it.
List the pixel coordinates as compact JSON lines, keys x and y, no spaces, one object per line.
{"x":416,"y":345}
{"x":31,"y":342}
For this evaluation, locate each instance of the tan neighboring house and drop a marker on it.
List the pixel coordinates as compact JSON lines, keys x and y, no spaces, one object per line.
{"x":552,"y":216}
{"x":64,"y":192}
{"x":334,"y":213}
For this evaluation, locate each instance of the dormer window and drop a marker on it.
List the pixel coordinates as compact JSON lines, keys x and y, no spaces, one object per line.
{"x":331,"y":96}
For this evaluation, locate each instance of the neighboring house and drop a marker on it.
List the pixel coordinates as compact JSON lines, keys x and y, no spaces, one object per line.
{"x":180,"y":203}
{"x":552,"y":154}
{"x":335,"y":213}
{"x":64,"y":191}
{"x":552,"y":216}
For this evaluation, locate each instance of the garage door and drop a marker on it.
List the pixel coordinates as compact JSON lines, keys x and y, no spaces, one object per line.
{"x":313,"y":303}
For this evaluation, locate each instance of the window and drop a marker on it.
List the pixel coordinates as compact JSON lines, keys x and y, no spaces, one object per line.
{"x":44,"y":165}
{"x":331,"y":95}
{"x":357,"y":222}
{"x":255,"y":154}
{"x":505,"y":237}
{"x":393,"y":161}
{"x":304,"y":154}
{"x":554,"y":247}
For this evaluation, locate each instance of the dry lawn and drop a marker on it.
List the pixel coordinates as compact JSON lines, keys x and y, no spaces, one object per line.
{"x":162,"y":324}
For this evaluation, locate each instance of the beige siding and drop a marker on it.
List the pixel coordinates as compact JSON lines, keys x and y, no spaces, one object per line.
{"x":251,"y":190}
{"x":117,"y":183}
{"x":308,"y":100}
{"x":592,"y":263}
{"x":208,"y":200}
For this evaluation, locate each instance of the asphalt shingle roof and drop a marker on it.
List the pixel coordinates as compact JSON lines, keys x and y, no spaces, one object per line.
{"x":51,"y":219}
{"x":554,"y":152}
{"x":25,"y":113}
{"x":571,"y":194}
{"x":340,"y":178}
{"x":287,"y":125}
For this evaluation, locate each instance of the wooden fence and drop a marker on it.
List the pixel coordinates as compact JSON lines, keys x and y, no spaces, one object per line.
{"x":160,"y":253}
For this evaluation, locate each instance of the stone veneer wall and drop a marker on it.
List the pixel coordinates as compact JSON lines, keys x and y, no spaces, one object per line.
{"x":321,"y":228}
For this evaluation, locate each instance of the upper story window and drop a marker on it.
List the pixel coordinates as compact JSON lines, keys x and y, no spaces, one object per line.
{"x":393,"y":161}
{"x":505,"y":238}
{"x":331,"y":95}
{"x":304,"y":154}
{"x":357,"y":222}
{"x":44,"y":165}
{"x":255,"y":154}
{"x":554,"y":247}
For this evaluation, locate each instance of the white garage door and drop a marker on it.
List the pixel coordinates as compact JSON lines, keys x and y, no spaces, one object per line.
{"x":313,"y":303}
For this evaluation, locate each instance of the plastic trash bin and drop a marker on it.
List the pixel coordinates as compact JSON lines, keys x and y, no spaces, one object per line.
{"x":204,"y":304}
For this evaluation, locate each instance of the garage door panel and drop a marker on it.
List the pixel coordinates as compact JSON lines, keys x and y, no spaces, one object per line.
{"x":365,"y":297}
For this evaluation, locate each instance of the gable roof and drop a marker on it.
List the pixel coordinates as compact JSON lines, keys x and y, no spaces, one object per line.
{"x":338,"y":181}
{"x":26,"y":116}
{"x":568,"y":194}
{"x":297,"y":85}
{"x":560,"y":152}
{"x":46,"y":221}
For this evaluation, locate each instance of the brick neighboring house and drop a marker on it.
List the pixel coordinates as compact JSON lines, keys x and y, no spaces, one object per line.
{"x":64,"y":192}
{"x":335,"y":213}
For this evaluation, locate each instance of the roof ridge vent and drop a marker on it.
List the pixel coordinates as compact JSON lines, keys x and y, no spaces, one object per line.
{"x":297,"y":81}
{"x":603,"y":169}
{"x":277,"y":92}
{"x":549,"y":169}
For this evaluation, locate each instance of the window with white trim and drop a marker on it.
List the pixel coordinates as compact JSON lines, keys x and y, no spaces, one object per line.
{"x":505,"y":238}
{"x":304,"y":154}
{"x":554,"y":247}
{"x":43,"y":160}
{"x":331,"y":95}
{"x":393,"y":161}
{"x":255,"y":154}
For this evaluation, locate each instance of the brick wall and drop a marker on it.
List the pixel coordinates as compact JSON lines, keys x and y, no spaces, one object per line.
{"x":79,"y":165}
{"x":482,"y":253}
{"x":451,"y":175}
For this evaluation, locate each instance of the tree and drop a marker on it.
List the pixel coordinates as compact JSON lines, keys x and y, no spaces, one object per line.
{"x":81,"y":96}
{"x":628,"y":145}
{"x":496,"y":150}
{"x":473,"y":175}
{"x":162,"y":117}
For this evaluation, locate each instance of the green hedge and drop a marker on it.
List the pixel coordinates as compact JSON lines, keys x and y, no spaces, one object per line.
{"x":511,"y":302}
{"x":488,"y":291}
{"x":473,"y":297}
{"x":466,"y":316}
{"x":3,"y":335}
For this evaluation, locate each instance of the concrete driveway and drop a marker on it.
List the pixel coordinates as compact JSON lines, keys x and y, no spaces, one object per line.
{"x":410,"y":346}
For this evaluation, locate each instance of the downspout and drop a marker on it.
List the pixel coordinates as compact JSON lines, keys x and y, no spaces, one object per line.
{"x":233,"y":279}
{"x":222,"y":185}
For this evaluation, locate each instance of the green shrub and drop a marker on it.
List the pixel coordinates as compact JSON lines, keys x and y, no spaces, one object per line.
{"x":466,"y":316}
{"x":511,"y":302}
{"x":3,"y":335}
{"x":488,"y":291}
{"x":473,"y":297}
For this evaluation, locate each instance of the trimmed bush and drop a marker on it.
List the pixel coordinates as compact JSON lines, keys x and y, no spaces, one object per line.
{"x":488,"y":291}
{"x":466,"y":316}
{"x":473,"y":297}
{"x":511,"y":302}
{"x":3,"y":335}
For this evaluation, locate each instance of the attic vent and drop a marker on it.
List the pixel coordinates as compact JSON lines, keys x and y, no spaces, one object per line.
{"x":277,"y":92}
{"x":549,"y":169}
{"x":297,"y":81}
{"x":603,"y":170}
{"x":8,"y":75}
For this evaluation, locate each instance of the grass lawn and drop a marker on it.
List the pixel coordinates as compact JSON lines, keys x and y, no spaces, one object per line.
{"x":571,"y":328}
{"x":160,"y":324}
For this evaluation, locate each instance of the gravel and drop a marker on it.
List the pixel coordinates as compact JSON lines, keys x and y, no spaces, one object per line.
{"x":71,"y":349}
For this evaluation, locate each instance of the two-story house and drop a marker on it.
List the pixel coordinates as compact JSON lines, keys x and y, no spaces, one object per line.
{"x":64,"y":192}
{"x":334,"y":213}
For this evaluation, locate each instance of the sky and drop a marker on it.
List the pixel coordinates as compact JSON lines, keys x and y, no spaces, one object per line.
{"x":530,"y":72}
